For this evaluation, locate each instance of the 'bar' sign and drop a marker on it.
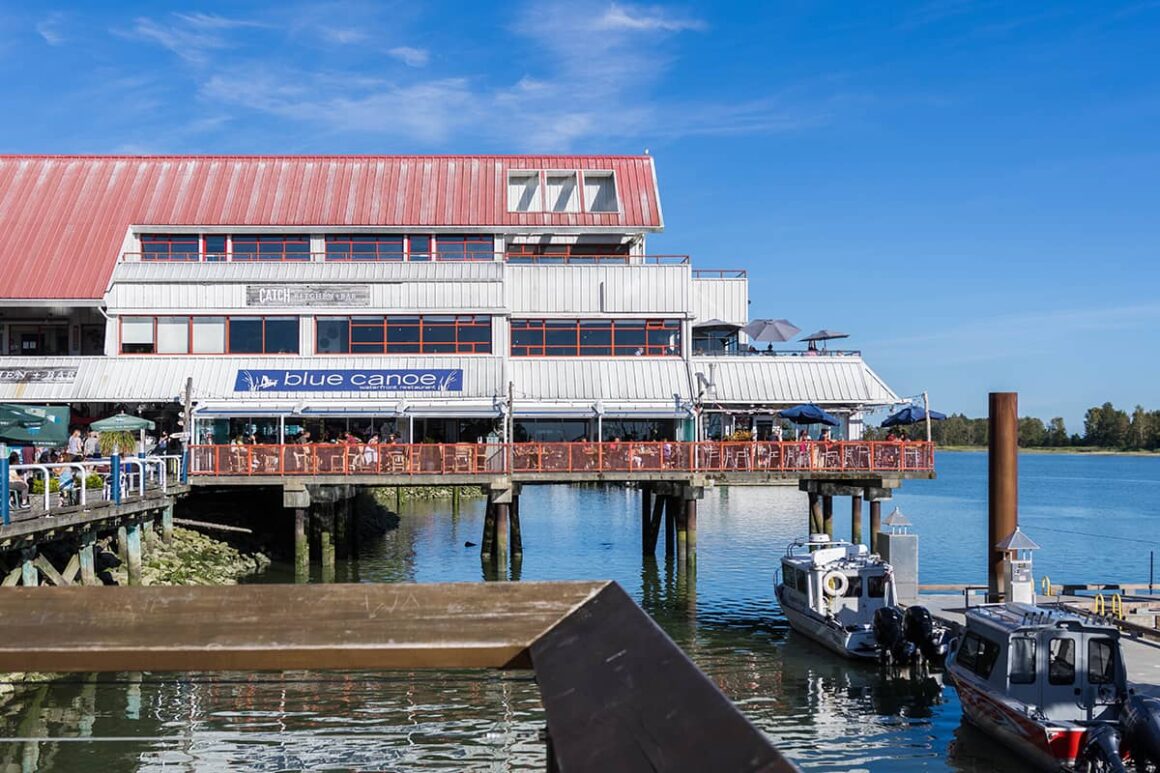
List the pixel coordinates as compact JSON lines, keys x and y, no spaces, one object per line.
{"x":349,"y":381}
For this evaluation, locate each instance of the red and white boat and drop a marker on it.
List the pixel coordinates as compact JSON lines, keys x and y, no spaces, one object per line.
{"x":1052,"y":686}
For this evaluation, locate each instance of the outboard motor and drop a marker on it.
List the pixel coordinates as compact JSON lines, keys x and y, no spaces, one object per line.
{"x":1140,"y":720}
{"x":919,"y":629}
{"x":894,"y":649}
{"x":1101,"y":751}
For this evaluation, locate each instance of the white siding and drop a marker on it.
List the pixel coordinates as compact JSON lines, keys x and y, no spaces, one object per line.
{"x":614,"y":289}
{"x":624,"y":380}
{"x":724,"y":299}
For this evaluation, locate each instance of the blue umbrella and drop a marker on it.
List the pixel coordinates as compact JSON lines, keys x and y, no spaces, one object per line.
{"x":808,"y":413}
{"x":911,"y":414}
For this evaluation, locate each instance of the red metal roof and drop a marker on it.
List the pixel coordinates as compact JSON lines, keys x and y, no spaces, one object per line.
{"x":64,"y":218}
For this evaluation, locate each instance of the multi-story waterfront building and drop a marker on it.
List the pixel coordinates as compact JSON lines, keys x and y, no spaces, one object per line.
{"x":443,"y":298}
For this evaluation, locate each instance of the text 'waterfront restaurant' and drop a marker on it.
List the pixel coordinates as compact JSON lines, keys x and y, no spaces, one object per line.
{"x":443,"y":299}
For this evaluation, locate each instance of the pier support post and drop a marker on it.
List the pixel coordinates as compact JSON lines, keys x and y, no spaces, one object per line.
{"x":815,"y":513}
{"x":670,"y":532}
{"x":455,"y":500}
{"x":828,"y":515}
{"x":875,"y":523}
{"x":646,"y":510}
{"x":167,"y":523}
{"x":342,"y":529}
{"x":133,"y":548}
{"x":691,"y":529}
{"x":682,"y":530}
{"x":488,"y":541}
{"x":502,"y":532}
{"x":326,"y":540}
{"x":1002,"y":483}
{"x":301,"y":546}
{"x":856,"y":519}
{"x":123,"y":544}
{"x":29,"y":574}
{"x":88,"y":559}
{"x":517,"y":532}
{"x":147,"y":534}
{"x":652,"y":525}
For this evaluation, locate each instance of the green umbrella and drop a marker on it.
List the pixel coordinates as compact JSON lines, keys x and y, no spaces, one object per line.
{"x":122,"y":421}
{"x":33,"y":424}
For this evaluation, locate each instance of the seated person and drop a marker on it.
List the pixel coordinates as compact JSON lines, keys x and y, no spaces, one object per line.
{"x":68,"y":485}
{"x":16,"y":482}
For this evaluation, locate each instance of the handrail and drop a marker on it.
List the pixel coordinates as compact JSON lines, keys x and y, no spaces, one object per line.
{"x":431,"y":459}
{"x":719,"y":273}
{"x":775,"y":352}
{"x":457,"y":256}
{"x":104,"y":467}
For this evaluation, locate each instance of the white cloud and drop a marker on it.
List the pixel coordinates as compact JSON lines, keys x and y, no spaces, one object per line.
{"x":342,"y":36}
{"x":412,"y":57}
{"x":645,"y":18}
{"x":191,"y":36}
{"x":49,"y":29}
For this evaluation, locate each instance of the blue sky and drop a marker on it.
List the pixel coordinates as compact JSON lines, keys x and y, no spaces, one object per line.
{"x":968,"y":187}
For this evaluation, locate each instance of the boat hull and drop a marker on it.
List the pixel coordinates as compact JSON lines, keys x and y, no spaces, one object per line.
{"x":1053,"y":746}
{"x":859,"y":645}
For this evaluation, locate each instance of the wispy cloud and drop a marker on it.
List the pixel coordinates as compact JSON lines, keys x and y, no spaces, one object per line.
{"x":49,"y":28}
{"x":412,"y":57}
{"x":191,"y":36}
{"x":646,"y":18}
{"x":343,"y":36}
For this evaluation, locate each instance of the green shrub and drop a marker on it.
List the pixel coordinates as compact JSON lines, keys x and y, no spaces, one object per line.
{"x":37,"y":485}
{"x":94,"y":482}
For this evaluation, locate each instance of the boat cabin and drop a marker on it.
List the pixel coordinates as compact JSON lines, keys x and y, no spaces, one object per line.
{"x":1061,"y":665}
{"x":838,"y":579}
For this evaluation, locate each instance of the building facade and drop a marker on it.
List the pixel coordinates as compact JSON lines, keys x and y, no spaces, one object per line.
{"x":442,"y":298}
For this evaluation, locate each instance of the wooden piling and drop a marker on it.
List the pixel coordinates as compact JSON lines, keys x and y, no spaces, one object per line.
{"x":502,"y":532}
{"x":29,"y":574}
{"x":652,"y":528}
{"x":88,"y":559}
{"x":167,"y":524}
{"x":487,"y":544}
{"x":301,"y":546}
{"x":691,"y":529}
{"x":856,"y":519}
{"x":646,"y":509}
{"x":682,"y":532}
{"x":1002,"y":483}
{"x":828,"y":515}
{"x":455,"y":500}
{"x":133,"y":547}
{"x":517,"y":533}
{"x":123,"y":544}
{"x":147,"y":535}
{"x":326,"y":541}
{"x":670,"y":532}
{"x":815,"y":513}
{"x":342,"y":529}
{"x":875,"y":523}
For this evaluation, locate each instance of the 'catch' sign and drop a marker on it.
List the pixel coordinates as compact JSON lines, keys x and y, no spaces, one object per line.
{"x":349,"y":381}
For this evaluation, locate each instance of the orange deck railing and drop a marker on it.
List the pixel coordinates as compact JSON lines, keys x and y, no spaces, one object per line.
{"x":546,"y":458}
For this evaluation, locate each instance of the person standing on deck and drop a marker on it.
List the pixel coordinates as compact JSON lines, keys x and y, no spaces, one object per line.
{"x":75,"y":446}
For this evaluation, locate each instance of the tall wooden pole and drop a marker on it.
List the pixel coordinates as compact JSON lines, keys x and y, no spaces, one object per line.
{"x":875,"y":523}
{"x":856,"y":519}
{"x":1003,"y":482}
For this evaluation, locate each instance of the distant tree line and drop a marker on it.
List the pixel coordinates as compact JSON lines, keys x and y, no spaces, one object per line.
{"x":1104,"y":426}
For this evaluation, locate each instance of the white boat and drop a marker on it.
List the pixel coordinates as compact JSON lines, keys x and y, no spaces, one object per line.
{"x":829,"y":591}
{"x":1052,"y":685}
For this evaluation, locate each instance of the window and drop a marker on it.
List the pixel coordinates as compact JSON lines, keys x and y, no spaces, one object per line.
{"x":853,"y":587}
{"x":173,"y":335}
{"x":474,"y":247}
{"x":364,"y":247}
{"x":1022,"y":667}
{"x":1061,"y":661}
{"x":524,"y":191}
{"x":247,"y":248}
{"x":179,"y":247}
{"x":553,"y":254}
{"x":137,"y":335}
{"x":428,"y":334}
{"x":876,"y":586}
{"x":977,"y":654}
{"x":561,"y":190}
{"x":209,"y":335}
{"x":600,"y":192}
{"x":418,"y":248}
{"x":1101,"y":661}
{"x":215,"y":248}
{"x":595,"y":337}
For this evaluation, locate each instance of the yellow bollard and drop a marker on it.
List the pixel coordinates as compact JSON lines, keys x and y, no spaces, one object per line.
{"x":1045,"y":584}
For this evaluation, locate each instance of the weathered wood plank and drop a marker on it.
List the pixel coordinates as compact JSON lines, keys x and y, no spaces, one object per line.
{"x":49,"y":571}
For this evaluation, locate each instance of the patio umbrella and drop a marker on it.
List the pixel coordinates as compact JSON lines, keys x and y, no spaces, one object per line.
{"x":808,"y":413}
{"x":121,"y":421}
{"x":124,"y":422}
{"x":911,"y":414}
{"x":26,"y":424}
{"x":771,"y":330}
{"x":825,"y":335}
{"x":716,"y":324}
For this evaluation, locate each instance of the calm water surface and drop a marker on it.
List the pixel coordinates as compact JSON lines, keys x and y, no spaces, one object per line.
{"x":1094,"y":517}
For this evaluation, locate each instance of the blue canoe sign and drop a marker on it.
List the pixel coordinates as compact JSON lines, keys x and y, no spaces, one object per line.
{"x":293,"y":380}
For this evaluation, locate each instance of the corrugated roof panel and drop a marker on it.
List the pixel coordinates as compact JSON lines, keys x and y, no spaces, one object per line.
{"x":791,"y":380}
{"x":627,"y":379}
{"x":64,"y":217}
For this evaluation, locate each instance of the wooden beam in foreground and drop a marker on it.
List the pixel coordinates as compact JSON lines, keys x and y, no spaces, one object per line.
{"x":618,"y":693}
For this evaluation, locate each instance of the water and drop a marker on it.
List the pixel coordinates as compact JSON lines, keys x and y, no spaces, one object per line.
{"x":1090,"y":514}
